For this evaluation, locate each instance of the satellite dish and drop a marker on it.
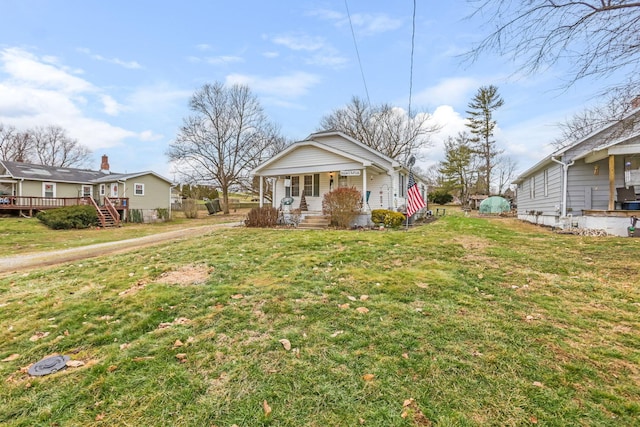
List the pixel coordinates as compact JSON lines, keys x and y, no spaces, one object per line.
{"x":412,"y":161}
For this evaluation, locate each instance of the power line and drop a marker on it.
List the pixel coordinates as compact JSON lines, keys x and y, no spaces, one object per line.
{"x":353,"y":34}
{"x":413,"y":39}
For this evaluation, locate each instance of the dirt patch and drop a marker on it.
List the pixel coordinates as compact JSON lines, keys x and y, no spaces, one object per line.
{"x":191,"y":274}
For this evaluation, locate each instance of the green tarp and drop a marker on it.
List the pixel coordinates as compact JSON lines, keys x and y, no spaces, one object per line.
{"x":495,"y":204}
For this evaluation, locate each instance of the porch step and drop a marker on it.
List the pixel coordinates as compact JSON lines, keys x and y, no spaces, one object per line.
{"x":109,"y":220}
{"x":314,"y":222}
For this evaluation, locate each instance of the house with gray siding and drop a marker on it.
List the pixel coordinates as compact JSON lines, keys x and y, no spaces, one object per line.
{"x":580,"y":185}
{"x":328,"y":160}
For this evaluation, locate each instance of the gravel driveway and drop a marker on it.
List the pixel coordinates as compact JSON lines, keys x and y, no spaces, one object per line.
{"x":14,"y":264}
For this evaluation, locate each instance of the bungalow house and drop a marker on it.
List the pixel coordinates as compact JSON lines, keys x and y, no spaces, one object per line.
{"x":328,"y":160}
{"x":590,"y":184}
{"x":28,"y":188}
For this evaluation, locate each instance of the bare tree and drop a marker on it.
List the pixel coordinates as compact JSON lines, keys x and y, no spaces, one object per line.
{"x":482,"y":124}
{"x":595,"y":38}
{"x":53,"y":147}
{"x":225,"y":137}
{"x":505,"y":173}
{"x":14,"y":145}
{"x":384,"y":128}
{"x":597,"y":117}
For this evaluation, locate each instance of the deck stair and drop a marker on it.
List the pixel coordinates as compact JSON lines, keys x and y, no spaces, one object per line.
{"x":106,"y":218}
{"x":314,"y":222}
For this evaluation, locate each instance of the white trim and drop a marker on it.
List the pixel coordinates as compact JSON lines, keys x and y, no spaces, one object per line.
{"x":135,"y":188}
{"x":44,"y":192}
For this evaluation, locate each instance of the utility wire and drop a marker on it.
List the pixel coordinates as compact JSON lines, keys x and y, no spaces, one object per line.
{"x":413,"y":39}
{"x":353,"y":34}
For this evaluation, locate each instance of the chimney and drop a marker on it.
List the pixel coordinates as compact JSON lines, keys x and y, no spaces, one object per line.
{"x":104,"y":167}
{"x":635,"y":102}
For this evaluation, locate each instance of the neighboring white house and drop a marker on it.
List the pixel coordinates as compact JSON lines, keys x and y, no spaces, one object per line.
{"x":581,"y":185}
{"x":329,"y":160}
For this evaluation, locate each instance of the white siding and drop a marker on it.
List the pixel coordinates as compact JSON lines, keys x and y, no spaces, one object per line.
{"x":307,"y":159}
{"x":549,"y":204}
{"x":354,"y":149}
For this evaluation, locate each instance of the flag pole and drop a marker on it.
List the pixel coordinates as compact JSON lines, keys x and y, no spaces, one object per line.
{"x":406,"y":210}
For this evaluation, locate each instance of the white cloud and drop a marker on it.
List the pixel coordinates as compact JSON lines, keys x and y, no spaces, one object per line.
{"x":36,"y":92}
{"x":133,"y":65}
{"x":364,"y":24}
{"x":24,"y":68}
{"x":224,"y":59}
{"x":300,"y":42}
{"x":374,"y":24}
{"x":450,"y":91}
{"x":203,"y":47}
{"x":270,"y":54}
{"x":111,"y":106}
{"x":287,"y":86}
{"x":149,"y":135}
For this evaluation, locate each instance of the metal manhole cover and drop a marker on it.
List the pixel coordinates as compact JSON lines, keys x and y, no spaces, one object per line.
{"x":48,"y":365}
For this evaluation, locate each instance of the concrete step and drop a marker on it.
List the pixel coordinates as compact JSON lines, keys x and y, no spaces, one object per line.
{"x":315,"y":222}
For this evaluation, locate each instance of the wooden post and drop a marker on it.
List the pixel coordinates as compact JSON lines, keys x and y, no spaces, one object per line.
{"x":612,"y":182}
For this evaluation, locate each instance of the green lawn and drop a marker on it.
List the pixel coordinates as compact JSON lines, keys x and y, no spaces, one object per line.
{"x":28,"y":235}
{"x":462,"y":322}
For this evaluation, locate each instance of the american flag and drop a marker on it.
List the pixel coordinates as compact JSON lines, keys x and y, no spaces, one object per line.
{"x":415,"y":202}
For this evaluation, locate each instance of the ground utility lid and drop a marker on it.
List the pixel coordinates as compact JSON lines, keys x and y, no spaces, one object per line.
{"x":48,"y":365}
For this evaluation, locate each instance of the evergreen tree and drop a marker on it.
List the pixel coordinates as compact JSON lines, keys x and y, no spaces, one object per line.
{"x":481,"y":125}
{"x":456,"y":168}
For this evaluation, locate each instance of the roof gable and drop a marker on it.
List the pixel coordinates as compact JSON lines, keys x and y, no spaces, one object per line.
{"x":327,"y":146}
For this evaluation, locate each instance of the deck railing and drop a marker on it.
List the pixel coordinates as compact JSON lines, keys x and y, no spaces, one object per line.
{"x":40,"y":203}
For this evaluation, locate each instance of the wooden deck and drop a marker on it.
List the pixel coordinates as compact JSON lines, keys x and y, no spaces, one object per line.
{"x":35,"y":204}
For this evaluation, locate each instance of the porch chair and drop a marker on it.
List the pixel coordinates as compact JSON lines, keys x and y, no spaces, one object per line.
{"x":626,"y":194}
{"x":627,"y":199}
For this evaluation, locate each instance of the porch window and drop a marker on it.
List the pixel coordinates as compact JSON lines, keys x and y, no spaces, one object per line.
{"x":295,"y":186}
{"x":48,"y":189}
{"x":114,"y":190}
{"x":138,"y":189}
{"x":87,"y":191}
{"x":632,"y":171}
{"x":103,"y":189}
{"x":312,"y":185}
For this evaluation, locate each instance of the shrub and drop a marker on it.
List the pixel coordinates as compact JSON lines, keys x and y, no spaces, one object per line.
{"x":190,"y":208}
{"x":440,"y":197}
{"x":342,"y":205}
{"x":135,"y":216}
{"x":388,"y":218}
{"x":266,"y":216}
{"x":163,"y":214}
{"x":69,"y":217}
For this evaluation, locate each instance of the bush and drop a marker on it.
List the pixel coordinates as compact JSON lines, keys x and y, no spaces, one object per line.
{"x":440,"y":197}
{"x":390,"y":219}
{"x":69,"y":217}
{"x":266,"y":216}
{"x":135,"y":216}
{"x":190,"y":208}
{"x":163,"y":214}
{"x":342,"y":205}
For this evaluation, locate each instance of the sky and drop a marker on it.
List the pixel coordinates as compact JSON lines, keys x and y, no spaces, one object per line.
{"x":118,"y":75}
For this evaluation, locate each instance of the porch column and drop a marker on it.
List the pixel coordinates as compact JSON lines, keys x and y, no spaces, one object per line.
{"x":612,"y":181}
{"x":261,"y":190}
{"x":365,"y":207}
